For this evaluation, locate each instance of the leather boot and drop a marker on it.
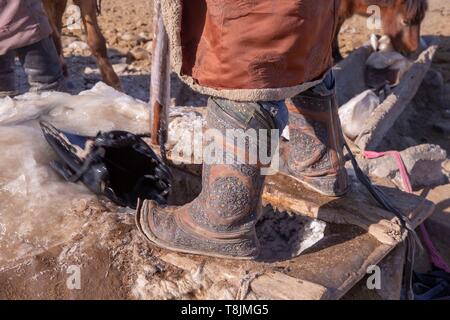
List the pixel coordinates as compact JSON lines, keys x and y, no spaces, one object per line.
{"x":314,"y":153}
{"x":7,"y":75}
{"x":221,"y":221}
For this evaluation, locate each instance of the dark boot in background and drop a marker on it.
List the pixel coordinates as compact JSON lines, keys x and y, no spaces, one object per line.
{"x":42,"y":66}
{"x":7,"y":75}
{"x":314,"y":152}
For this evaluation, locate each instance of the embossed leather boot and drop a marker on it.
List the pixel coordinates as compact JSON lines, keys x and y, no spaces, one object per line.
{"x":221,"y":221}
{"x":314,"y":153}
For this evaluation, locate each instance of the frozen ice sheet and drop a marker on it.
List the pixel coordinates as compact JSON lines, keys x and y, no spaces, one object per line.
{"x":37,"y":208}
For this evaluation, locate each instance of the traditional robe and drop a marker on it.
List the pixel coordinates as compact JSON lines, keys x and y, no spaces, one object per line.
{"x":251,"y":50}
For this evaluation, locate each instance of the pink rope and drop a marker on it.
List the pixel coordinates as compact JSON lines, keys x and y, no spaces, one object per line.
{"x":436,"y":258}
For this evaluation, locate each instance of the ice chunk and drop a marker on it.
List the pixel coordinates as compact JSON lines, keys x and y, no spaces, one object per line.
{"x":185,"y":135}
{"x":38,"y":209}
{"x":354,"y":114}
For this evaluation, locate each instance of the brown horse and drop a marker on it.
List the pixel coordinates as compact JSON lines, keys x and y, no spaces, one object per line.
{"x":400,"y":20}
{"x":95,"y":39}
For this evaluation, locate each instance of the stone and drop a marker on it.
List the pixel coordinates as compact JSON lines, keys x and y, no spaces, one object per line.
{"x":131,"y":38}
{"x":139,"y":54}
{"x":73,"y":21}
{"x":382,"y":60}
{"x":115,"y":53}
{"x":68,"y":40}
{"x":446,"y":166}
{"x":149,"y":46}
{"x":120,"y":67}
{"x":78,"y":45}
{"x":113,"y":39}
{"x":140,"y":23}
{"x":423,"y":163}
{"x":89,"y":71}
{"x":144,"y":36}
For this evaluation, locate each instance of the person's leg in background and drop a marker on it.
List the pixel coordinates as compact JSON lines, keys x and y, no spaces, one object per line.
{"x":42,"y":66}
{"x":7,"y":75}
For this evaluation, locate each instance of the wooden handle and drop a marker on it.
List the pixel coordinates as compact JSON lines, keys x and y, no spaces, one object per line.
{"x":160,"y":78}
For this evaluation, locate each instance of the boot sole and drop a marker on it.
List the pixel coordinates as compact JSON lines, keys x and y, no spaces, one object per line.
{"x":141,"y":224}
{"x":312,"y":188}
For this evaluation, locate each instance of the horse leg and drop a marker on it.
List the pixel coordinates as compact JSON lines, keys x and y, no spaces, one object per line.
{"x":97,"y":42}
{"x":59,"y":12}
{"x":55,"y":11}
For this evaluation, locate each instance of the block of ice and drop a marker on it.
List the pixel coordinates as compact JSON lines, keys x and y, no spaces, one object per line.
{"x":38,"y":209}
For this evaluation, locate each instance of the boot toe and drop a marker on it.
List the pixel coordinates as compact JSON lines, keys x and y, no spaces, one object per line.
{"x":162,"y":227}
{"x":156,"y":223}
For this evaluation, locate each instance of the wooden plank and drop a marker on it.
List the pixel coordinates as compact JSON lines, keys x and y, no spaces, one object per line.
{"x":441,"y":217}
{"x":356,"y":208}
{"x":385,"y":115}
{"x":328,"y":273}
{"x":276,"y":285}
{"x":391,"y":275}
{"x":266,"y":285}
{"x":340,"y":264}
